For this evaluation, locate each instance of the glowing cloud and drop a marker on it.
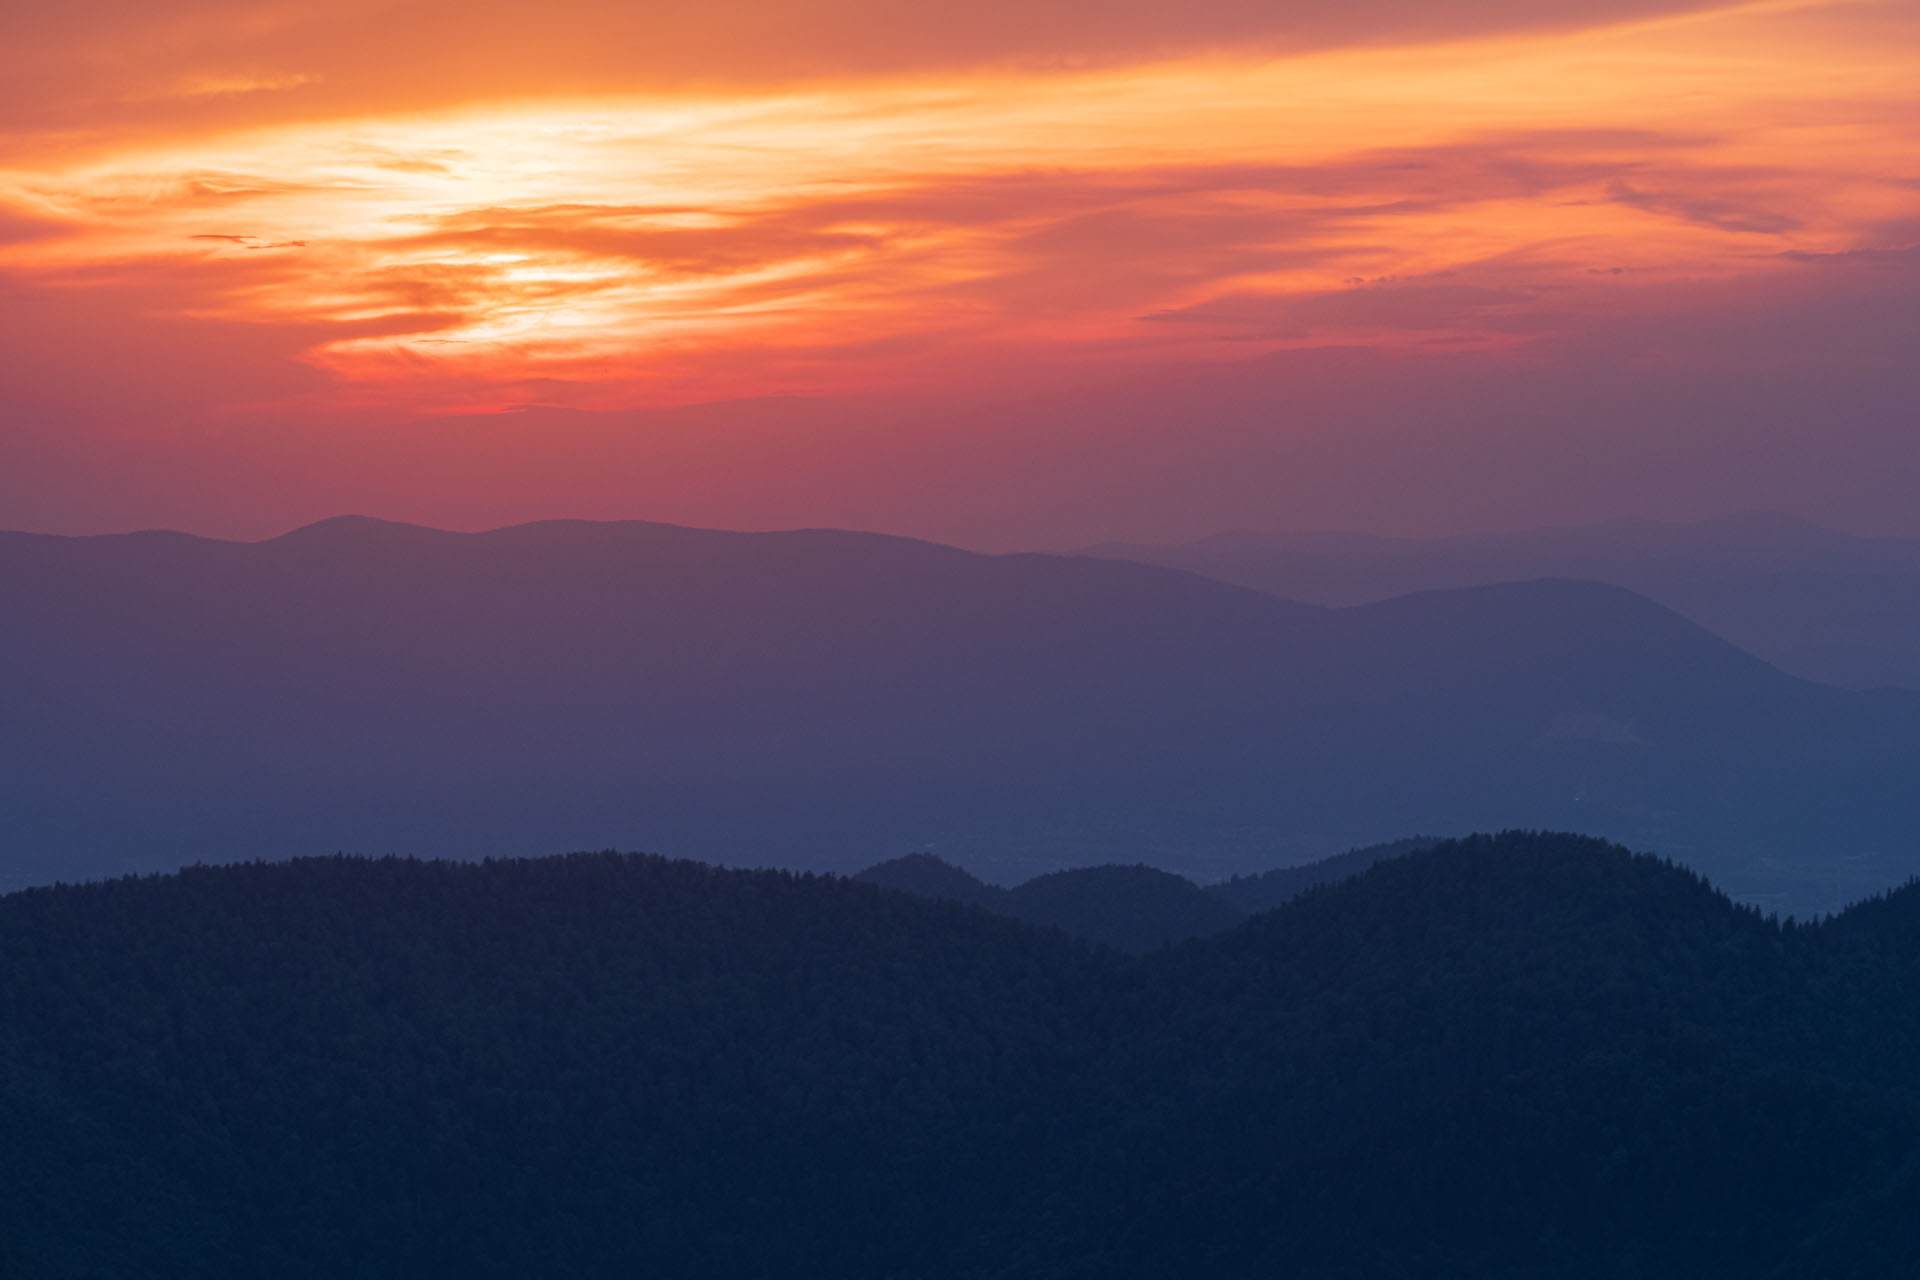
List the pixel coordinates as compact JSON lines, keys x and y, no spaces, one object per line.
{"x":654,"y":216}
{"x":654,"y":249}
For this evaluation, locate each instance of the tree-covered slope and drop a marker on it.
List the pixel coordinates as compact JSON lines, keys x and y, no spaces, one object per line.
{"x":926,"y":876}
{"x":1134,"y":908}
{"x":339,"y":1067}
{"x":1265,"y":890}
{"x":1526,"y":1055}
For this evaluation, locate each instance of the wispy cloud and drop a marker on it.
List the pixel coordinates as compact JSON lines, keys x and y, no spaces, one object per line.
{"x":121,"y":66}
{"x":1494,"y":194}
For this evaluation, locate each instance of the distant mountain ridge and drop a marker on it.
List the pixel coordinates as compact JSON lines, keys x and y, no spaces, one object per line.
{"x":1520,"y":1055}
{"x":1133,"y":908}
{"x":1824,"y":605}
{"x":820,"y":698}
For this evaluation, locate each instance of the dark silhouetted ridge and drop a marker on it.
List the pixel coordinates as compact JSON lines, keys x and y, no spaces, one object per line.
{"x":1518,"y":1055}
{"x":926,"y":876}
{"x":1132,"y":908}
{"x":1270,"y":889}
{"x":351,"y":529}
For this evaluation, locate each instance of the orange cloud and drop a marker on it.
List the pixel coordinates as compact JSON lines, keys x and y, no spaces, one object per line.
{"x":642,"y":247}
{"x":121,"y":66}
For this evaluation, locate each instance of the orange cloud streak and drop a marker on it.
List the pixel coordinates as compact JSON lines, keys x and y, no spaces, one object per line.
{"x":632,"y":249}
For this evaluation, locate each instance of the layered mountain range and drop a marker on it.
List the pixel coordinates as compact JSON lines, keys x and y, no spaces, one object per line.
{"x":1136,"y":908}
{"x":825,"y":700}
{"x":1826,"y":605}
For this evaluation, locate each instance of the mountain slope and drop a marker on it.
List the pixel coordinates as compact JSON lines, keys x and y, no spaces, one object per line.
{"x":1131,"y":908}
{"x":1520,"y":1055}
{"x":1820,"y":604}
{"x":926,"y":876}
{"x":1269,"y":889}
{"x":822,"y":699}
{"x":574,"y":1066}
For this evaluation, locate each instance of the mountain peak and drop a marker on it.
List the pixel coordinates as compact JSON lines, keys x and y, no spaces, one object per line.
{"x":926,"y":876}
{"x":346,"y":529}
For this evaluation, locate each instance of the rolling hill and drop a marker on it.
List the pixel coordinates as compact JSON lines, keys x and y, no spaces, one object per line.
{"x":1133,"y":908}
{"x":1518,"y":1055}
{"x":1828,"y":606}
{"x":823,"y":699}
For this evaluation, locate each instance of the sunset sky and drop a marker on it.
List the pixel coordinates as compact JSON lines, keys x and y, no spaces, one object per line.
{"x":1011,"y":273}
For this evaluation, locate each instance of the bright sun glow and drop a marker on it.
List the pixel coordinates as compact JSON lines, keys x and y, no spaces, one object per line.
{"x":647,"y":251}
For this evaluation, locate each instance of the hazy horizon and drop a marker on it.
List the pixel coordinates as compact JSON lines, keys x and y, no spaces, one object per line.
{"x":1736,"y":518}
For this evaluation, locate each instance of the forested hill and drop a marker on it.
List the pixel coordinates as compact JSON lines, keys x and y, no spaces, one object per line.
{"x":1134,"y":908}
{"x":1516,"y":1056}
{"x":1270,"y":889}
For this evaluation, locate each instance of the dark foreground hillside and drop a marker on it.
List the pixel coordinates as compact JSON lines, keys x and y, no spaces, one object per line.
{"x":1513,"y":1056}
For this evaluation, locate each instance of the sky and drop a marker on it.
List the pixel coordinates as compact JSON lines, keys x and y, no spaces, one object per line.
{"x":1009,"y":273}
